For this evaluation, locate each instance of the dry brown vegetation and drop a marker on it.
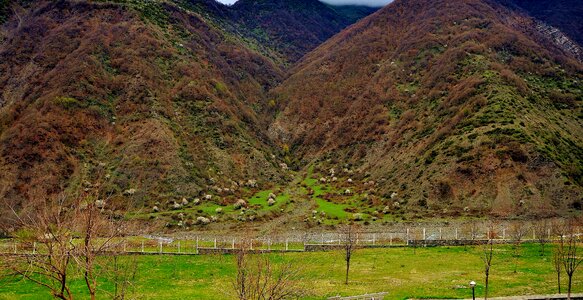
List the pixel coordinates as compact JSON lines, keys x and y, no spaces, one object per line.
{"x":164,"y":106}
{"x":425,"y":92}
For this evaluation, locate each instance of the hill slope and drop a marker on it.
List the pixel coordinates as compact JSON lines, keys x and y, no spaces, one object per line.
{"x":566,"y":15}
{"x":451,"y":104}
{"x":153,"y":97}
{"x":294,"y":27}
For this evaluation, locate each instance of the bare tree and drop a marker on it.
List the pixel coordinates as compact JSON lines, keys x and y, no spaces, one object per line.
{"x":49,"y":267}
{"x":559,"y":229}
{"x":569,"y":257}
{"x":349,"y":235}
{"x":72,"y":229}
{"x":541,"y":230}
{"x":123,"y":273}
{"x":518,"y":231}
{"x":487,"y":255}
{"x":558,"y":262}
{"x":98,"y":232}
{"x":259,"y":279}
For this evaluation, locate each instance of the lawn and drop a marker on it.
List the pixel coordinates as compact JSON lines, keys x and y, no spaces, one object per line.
{"x":403,"y":272}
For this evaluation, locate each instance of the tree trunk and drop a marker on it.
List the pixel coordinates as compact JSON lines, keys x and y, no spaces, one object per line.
{"x":486,"y":287}
{"x":559,"y":281}
{"x":569,"y":286}
{"x":347,"y":269}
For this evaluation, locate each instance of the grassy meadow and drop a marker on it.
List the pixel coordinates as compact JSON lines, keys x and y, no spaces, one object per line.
{"x":442,"y":272}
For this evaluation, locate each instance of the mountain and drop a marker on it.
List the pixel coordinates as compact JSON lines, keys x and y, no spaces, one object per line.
{"x":294,"y":27}
{"x":437,"y":107}
{"x":453,"y":105}
{"x":567,"y":15}
{"x":354,"y":12}
{"x":150,"y":97}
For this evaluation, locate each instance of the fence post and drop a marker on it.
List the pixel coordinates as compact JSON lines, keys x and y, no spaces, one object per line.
{"x":407,"y":236}
{"x":178,"y":246}
{"x":142,"y":246}
{"x":322,"y":238}
{"x":124,"y":246}
{"x":533,"y":234}
{"x":456,"y":234}
{"x":268,"y":244}
{"x":215,"y":243}
{"x":196,"y":244}
{"x":233,"y":244}
{"x":160,"y":243}
{"x":34,"y":248}
{"x":504,"y":234}
{"x":424,"y":237}
{"x":374,"y":236}
{"x":286,"y":244}
{"x":549,"y":234}
{"x":440,"y":234}
{"x":251,"y":247}
{"x":390,"y":239}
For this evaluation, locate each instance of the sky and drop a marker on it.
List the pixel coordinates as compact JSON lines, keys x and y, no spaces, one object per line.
{"x":337,"y":2}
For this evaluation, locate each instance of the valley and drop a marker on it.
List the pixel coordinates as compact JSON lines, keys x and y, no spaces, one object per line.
{"x":425,"y":136}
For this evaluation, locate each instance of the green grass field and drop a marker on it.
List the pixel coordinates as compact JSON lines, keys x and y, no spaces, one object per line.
{"x":403,"y":272}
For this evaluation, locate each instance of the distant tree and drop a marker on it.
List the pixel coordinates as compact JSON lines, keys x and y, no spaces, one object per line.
{"x":487,"y":255}
{"x":258,"y":278}
{"x":559,"y":229}
{"x":348,"y":234}
{"x":122,"y":273}
{"x":571,"y":260}
{"x":518,"y":230}
{"x":541,"y":229}
{"x":558,"y":262}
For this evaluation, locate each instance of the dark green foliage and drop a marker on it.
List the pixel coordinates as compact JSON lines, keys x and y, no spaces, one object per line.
{"x":4,"y":10}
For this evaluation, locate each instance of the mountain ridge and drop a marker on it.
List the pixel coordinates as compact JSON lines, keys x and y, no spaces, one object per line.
{"x":454,"y":80}
{"x":449,"y":108}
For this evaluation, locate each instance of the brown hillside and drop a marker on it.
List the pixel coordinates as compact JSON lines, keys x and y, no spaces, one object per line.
{"x":455,"y":105}
{"x":155,"y":97}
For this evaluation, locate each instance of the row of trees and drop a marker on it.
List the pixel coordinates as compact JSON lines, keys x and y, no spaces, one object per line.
{"x":74,"y":234}
{"x":565,"y":257}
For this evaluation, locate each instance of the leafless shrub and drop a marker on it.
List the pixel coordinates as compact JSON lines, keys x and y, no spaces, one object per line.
{"x":258,"y":278}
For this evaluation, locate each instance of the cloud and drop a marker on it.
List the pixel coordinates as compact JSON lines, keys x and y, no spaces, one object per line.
{"x":373,"y":3}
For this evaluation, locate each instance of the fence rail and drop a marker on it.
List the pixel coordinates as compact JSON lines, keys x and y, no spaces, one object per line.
{"x":294,"y":242}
